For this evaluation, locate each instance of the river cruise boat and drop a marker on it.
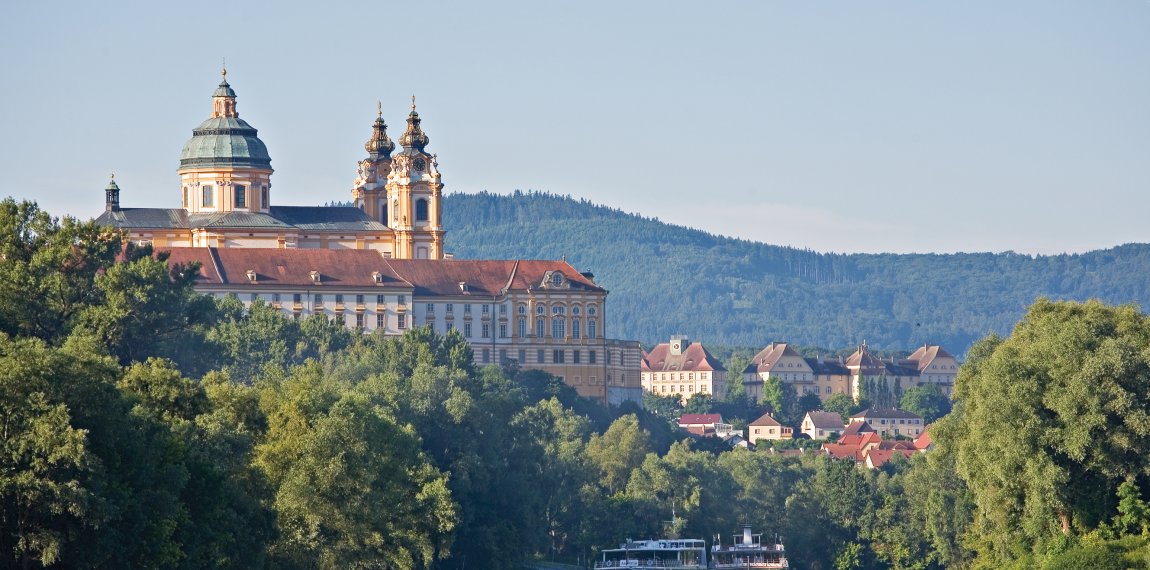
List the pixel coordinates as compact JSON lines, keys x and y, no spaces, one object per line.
{"x":669,"y":554}
{"x":749,"y":551}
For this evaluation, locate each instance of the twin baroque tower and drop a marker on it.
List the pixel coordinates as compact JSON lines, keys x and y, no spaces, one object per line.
{"x":403,"y":192}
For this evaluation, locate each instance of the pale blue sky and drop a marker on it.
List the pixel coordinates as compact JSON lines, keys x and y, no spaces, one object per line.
{"x":837,"y":126}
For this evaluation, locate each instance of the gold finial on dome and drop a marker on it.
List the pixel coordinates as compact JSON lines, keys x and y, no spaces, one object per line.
{"x":113,"y":176}
{"x":379,"y":145}
{"x":379,"y":109}
{"x":224,"y":69}
{"x":413,"y":103}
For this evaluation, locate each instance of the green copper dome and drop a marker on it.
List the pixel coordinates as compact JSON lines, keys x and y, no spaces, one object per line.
{"x":225,"y":141}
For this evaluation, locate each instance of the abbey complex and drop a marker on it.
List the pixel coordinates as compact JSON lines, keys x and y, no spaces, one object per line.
{"x":379,"y":265}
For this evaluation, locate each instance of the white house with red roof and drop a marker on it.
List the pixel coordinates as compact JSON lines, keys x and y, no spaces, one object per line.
{"x":705,"y":424}
{"x":767,"y":427}
{"x":683,"y":368}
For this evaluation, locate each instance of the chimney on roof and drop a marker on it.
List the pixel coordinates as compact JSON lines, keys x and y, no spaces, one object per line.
{"x":679,"y":344}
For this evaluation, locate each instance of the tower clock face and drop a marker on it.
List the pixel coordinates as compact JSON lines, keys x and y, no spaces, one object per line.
{"x":420,"y":164}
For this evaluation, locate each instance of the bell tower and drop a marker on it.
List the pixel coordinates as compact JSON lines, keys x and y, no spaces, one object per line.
{"x":414,"y":194}
{"x":369,"y":191}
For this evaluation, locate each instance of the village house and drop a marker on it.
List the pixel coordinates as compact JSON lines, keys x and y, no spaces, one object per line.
{"x":705,"y":425}
{"x":822,"y":425}
{"x":891,"y":422}
{"x":767,"y":427}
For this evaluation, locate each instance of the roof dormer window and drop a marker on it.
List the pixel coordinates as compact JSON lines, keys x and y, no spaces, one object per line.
{"x":316,"y":277}
{"x":251,"y":276}
{"x":377,"y":277}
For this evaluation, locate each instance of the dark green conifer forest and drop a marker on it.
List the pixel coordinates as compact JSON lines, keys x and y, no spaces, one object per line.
{"x":667,"y":279}
{"x":145,"y":426}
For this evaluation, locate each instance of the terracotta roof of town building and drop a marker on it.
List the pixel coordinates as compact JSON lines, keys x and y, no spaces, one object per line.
{"x":368,"y":268}
{"x":766,"y":358}
{"x":821,"y":366}
{"x":876,"y":458}
{"x":694,"y":359}
{"x":700,"y":419}
{"x":289,"y":267}
{"x":856,"y":428}
{"x":766,"y":420}
{"x":925,"y":355}
{"x":923,"y":441}
{"x":826,"y":420}
{"x":841,"y":451}
{"x":862,"y":358}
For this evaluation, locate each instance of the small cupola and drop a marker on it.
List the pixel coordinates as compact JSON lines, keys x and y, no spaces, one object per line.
{"x":112,"y":196}
{"x":224,"y":98}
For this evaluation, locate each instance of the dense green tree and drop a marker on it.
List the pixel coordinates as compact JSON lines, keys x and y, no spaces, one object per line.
{"x":841,"y":404}
{"x":699,"y":404}
{"x":1050,"y":421}
{"x":927,"y":401}
{"x":618,"y":452}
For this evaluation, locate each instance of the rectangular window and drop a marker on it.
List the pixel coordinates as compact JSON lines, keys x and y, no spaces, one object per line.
{"x":591,"y":356}
{"x":486,"y":330}
{"x":539,"y":356}
{"x":264,"y":197}
{"x":209,"y":196}
{"x":522,"y":328}
{"x":318,"y":299}
{"x":450,"y":326}
{"x":254,"y":297}
{"x":450,"y":308}
{"x":486,"y":355}
{"x":380,"y":300}
{"x":401,"y":321}
{"x":575,"y":332}
{"x":502,"y":355}
{"x":275,"y":297}
{"x":467,"y":330}
{"x":502,"y":330}
{"x":359,"y":321}
{"x":339,"y":299}
{"x":359,"y":299}
{"x":522,"y":356}
{"x":591,"y":329}
{"x":380,"y":321}
{"x":502,"y":309}
{"x":402,"y":299}
{"x":557,"y":356}
{"x":297,"y":298}
{"x":539,"y":327}
{"x":575,"y":356}
{"x":430,"y":308}
{"x":467,"y":309}
{"x":241,"y":193}
{"x":486,"y":309}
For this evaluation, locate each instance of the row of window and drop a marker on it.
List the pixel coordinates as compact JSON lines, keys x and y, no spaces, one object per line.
{"x":239,"y":196}
{"x":420,"y":211}
{"x":683,"y":389}
{"x":319,"y":298}
{"x":559,"y":327}
{"x":449,"y":308}
{"x":670,"y":376}
{"x":558,"y":310}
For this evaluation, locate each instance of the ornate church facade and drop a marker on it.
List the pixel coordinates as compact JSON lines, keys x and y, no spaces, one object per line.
{"x":378,"y":266}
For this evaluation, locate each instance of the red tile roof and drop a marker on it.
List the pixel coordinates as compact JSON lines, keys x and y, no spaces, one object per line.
{"x":694,"y":359}
{"x":700,"y":419}
{"x":766,"y":420}
{"x":766,"y":358}
{"x":876,"y":458}
{"x":925,"y":354}
{"x":862,"y":358}
{"x":923,"y":441}
{"x":355,"y":267}
{"x":855,"y":428}
{"x":289,"y":267}
{"x":841,"y":451}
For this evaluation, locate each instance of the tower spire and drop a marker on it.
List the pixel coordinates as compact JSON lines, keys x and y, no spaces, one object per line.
{"x":413,"y":138}
{"x":224,"y":98}
{"x":379,"y":145}
{"x":112,"y":195}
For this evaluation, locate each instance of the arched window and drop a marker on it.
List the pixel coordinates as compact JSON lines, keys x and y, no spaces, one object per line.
{"x":421,"y":210}
{"x":395,"y":210}
{"x":383,"y":213}
{"x":539,"y":327}
{"x":185,"y":196}
{"x":558,"y":310}
{"x":558,"y":327}
{"x":591,"y":328}
{"x":575,"y":328}
{"x":522,"y":328}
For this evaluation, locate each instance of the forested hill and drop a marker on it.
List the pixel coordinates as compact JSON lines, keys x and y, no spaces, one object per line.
{"x":667,"y":279}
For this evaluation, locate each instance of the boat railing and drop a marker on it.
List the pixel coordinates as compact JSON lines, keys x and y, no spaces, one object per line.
{"x":647,"y":563}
